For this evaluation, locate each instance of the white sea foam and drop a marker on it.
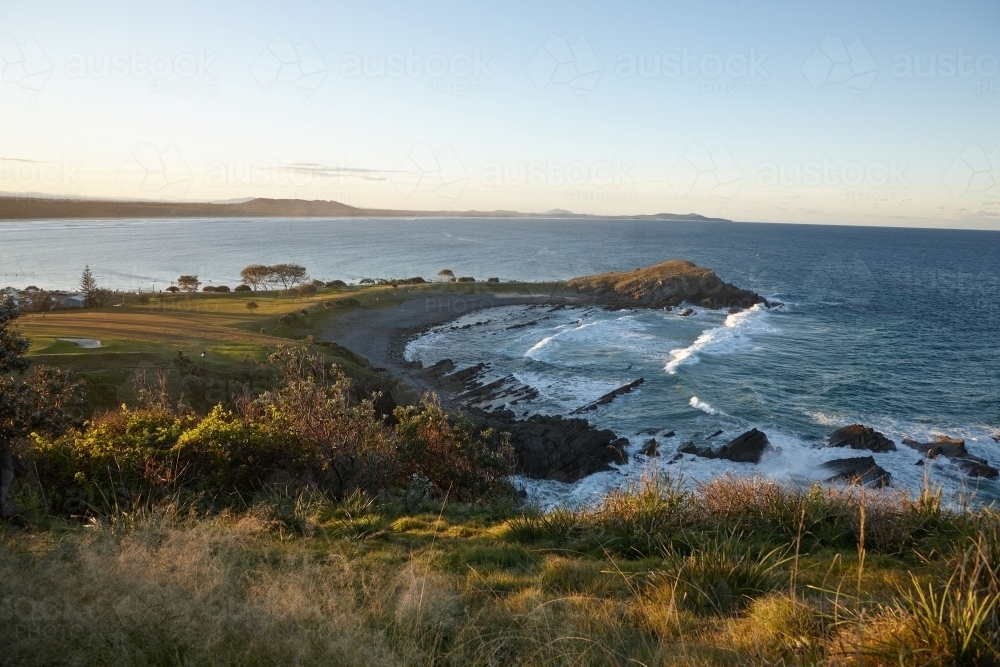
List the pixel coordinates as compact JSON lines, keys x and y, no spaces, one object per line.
{"x":539,"y":345}
{"x":732,"y":336}
{"x":702,"y":405}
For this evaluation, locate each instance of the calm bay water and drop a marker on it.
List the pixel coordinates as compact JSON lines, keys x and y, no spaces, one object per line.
{"x":894,"y":328}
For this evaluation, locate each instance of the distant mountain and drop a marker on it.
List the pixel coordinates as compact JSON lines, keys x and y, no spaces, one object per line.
{"x":38,"y":208}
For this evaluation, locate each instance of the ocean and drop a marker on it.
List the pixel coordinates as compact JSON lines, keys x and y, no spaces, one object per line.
{"x":895,"y":328}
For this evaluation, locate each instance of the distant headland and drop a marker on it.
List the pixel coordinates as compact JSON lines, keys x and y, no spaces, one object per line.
{"x":35,"y":207}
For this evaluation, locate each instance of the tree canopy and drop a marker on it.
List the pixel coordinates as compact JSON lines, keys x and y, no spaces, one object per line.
{"x":188,"y":283}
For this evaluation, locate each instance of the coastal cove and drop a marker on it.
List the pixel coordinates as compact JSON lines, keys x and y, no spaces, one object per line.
{"x":858,"y":338}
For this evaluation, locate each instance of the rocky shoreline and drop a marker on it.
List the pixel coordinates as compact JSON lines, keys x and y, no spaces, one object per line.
{"x":569,"y":448}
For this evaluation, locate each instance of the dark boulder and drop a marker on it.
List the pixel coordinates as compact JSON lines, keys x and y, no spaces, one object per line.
{"x":857,"y":436}
{"x":746,"y":448}
{"x":859,"y":470}
{"x":954,"y":449}
{"x":651,"y":448}
{"x":686,"y":312}
{"x":690,"y":448}
{"x":551,"y":447}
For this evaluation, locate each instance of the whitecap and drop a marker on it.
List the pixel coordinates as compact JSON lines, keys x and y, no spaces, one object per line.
{"x":702,"y":405}
{"x":730,"y":337}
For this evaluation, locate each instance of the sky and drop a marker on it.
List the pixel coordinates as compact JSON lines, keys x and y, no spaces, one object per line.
{"x":836,"y":113}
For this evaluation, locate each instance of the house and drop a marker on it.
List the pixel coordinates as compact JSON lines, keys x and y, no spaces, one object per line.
{"x":72,"y":301}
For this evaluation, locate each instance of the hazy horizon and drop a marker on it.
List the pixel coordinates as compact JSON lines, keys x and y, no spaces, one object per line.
{"x":837,"y":114}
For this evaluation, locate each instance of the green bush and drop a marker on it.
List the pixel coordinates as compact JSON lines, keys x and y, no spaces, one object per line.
{"x":311,"y":432}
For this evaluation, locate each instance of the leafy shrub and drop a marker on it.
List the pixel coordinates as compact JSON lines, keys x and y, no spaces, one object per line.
{"x":305,"y":290}
{"x":450,"y":454}
{"x":286,"y":319}
{"x":336,"y":283}
{"x":222,"y":288}
{"x":242,"y":288}
{"x":466,"y":279}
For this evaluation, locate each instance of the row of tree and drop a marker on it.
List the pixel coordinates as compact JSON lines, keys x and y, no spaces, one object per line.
{"x":261,"y":276}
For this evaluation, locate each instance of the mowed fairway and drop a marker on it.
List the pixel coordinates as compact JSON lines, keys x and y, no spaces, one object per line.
{"x":220,"y":325}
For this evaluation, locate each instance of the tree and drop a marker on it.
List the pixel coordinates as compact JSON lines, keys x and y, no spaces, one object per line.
{"x":256,"y":275}
{"x":47,"y":403}
{"x":173,"y":289}
{"x":88,"y":287}
{"x":288,"y":274}
{"x":252,"y":306}
{"x":188,"y":283}
{"x":446,"y":274}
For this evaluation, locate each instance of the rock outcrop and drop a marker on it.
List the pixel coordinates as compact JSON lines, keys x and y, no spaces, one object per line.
{"x":858,"y":436}
{"x":746,"y":448}
{"x":610,"y":396}
{"x":954,"y":450}
{"x":663,"y":286}
{"x":551,"y":447}
{"x":858,"y":470}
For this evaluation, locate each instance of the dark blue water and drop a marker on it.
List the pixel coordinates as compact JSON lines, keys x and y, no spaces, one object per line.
{"x":895,"y":328}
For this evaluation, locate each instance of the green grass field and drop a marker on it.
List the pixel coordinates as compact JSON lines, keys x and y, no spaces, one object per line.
{"x":144,"y":334}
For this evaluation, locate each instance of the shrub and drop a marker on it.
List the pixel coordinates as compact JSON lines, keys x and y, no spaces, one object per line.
{"x":317,"y":283}
{"x":207,"y":288}
{"x":242,"y":288}
{"x":492,"y":280}
{"x":173,"y":289}
{"x":286,"y":319}
{"x":466,"y":279}
{"x":305,"y":290}
{"x":336,"y":283}
{"x":450,"y":454}
{"x":222,"y":288}
{"x":252,"y":306}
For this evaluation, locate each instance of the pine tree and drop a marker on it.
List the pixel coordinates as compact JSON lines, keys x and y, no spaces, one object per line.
{"x":88,"y":286}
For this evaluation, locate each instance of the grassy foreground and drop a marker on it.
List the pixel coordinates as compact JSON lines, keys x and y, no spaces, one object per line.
{"x":735,"y":572}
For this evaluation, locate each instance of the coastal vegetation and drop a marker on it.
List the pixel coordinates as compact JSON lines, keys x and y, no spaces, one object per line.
{"x":269,"y":503}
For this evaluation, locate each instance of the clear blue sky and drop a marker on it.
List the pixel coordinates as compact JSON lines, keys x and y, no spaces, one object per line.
{"x":800,"y":112}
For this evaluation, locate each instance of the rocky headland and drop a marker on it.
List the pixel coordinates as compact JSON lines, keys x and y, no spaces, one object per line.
{"x":664,"y":285}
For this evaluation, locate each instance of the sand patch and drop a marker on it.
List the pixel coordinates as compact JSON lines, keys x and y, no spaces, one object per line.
{"x":89,"y":343}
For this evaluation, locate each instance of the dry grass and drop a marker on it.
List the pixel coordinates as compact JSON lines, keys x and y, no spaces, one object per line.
{"x":366,"y":583}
